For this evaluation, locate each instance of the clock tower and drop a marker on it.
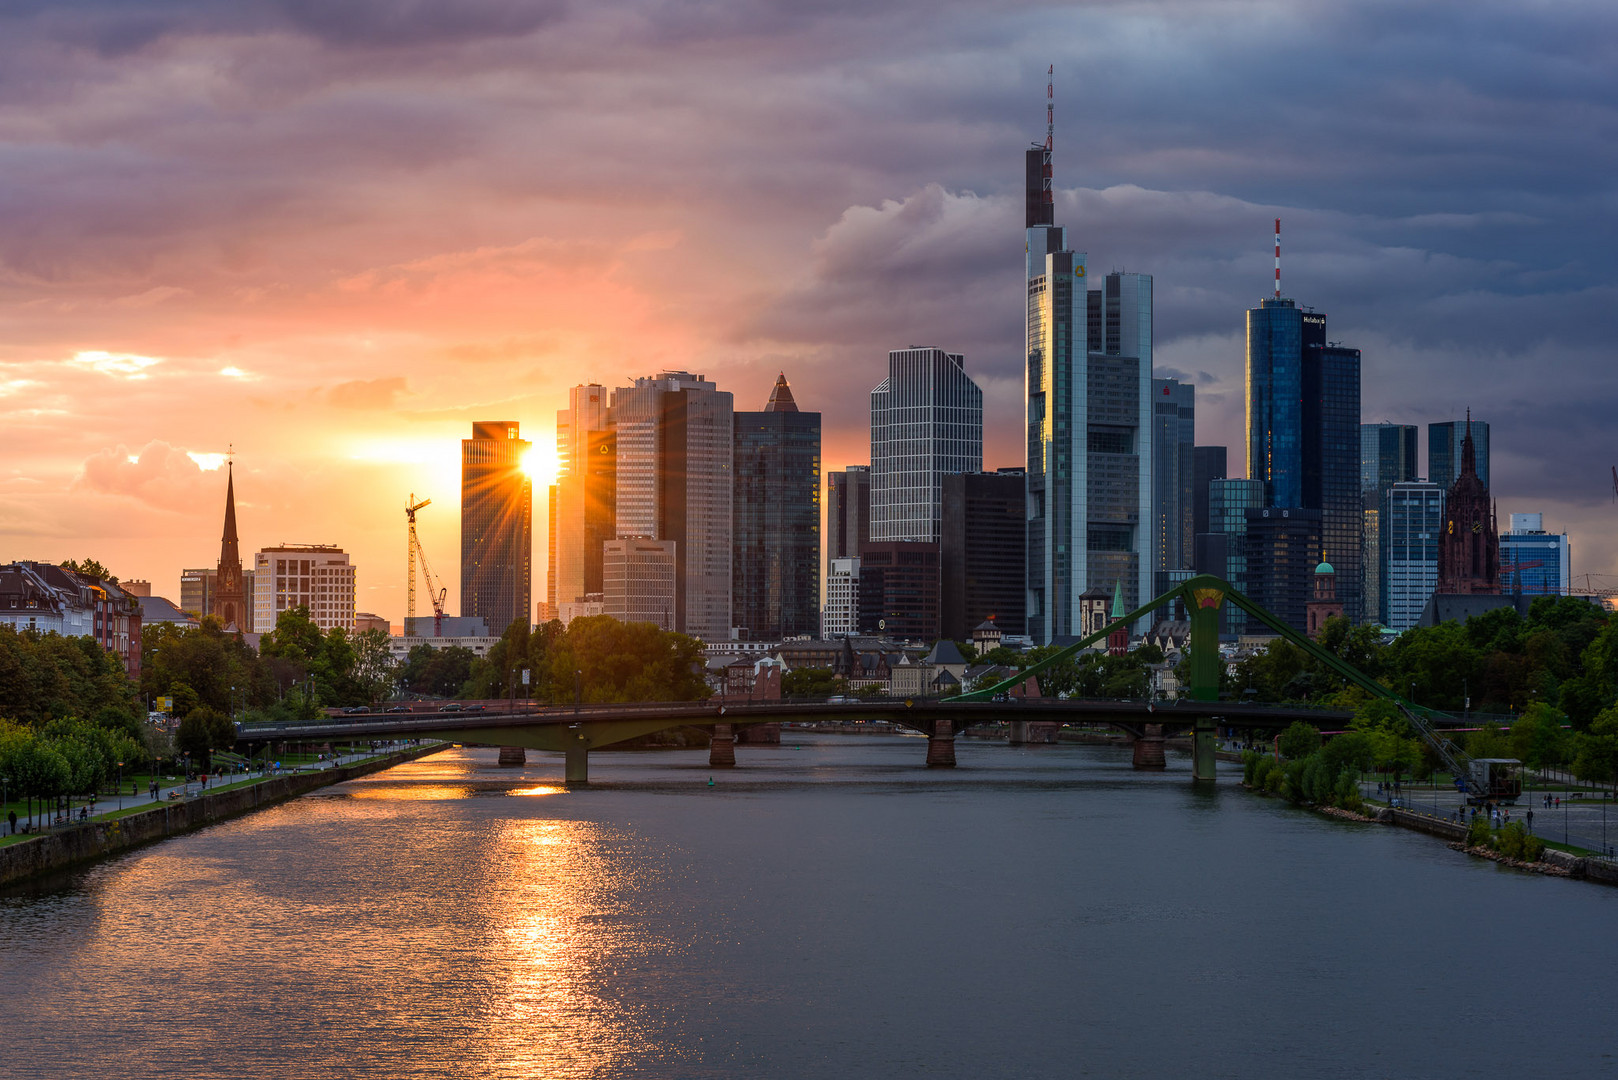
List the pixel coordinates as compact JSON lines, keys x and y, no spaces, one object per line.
{"x":1469,"y":541}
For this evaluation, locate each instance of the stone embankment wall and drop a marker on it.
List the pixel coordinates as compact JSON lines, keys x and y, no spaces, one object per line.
{"x":61,"y":848}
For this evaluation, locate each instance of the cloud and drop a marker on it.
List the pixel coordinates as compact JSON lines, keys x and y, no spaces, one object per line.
{"x":158,"y":474}
{"x":128,"y":365}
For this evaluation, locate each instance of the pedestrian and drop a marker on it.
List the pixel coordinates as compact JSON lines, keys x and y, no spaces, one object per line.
{"x":1530,"y":817}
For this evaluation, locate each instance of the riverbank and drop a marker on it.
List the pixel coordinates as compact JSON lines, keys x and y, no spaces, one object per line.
{"x":60,"y":849}
{"x":1554,"y":862}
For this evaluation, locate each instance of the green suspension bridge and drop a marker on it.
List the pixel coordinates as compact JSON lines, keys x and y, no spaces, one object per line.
{"x":574,"y":731}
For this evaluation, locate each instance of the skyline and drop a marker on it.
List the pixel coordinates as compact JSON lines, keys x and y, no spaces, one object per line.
{"x":334,"y":243}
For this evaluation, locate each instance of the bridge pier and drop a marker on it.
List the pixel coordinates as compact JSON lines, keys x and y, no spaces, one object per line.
{"x":576,"y":768}
{"x":941,"y":745}
{"x":1149,"y":748}
{"x":1017,"y":732}
{"x":1204,"y":747}
{"x":722,"y":748}
{"x":513,"y":755}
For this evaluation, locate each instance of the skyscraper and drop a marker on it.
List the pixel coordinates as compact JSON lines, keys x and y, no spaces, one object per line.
{"x":1173,"y":478}
{"x":1208,"y":465}
{"x":1444,"y":450}
{"x":776,"y":533}
{"x":983,"y":540}
{"x":1412,"y":521}
{"x":695,"y":505}
{"x":1332,"y":466}
{"x":1088,"y":383}
{"x":1222,"y":550}
{"x":926,"y":422}
{"x":1282,"y":550}
{"x":848,"y":512}
{"x":584,"y":515}
{"x":1387,"y":457}
{"x":497,"y":509}
{"x":1303,"y":438}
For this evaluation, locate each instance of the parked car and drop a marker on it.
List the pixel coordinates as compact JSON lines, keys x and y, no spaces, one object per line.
{"x":473,"y":708}
{"x":450,"y":706}
{"x":356,"y":710}
{"x":400,"y":708}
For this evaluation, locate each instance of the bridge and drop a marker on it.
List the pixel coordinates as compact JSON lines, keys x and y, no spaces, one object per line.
{"x":574,"y":731}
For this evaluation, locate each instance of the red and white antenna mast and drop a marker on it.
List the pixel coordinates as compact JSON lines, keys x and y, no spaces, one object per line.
{"x":1050,"y":107}
{"x":1278,"y":258}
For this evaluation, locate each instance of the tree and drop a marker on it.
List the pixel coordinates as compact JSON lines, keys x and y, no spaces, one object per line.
{"x":202,"y":731}
{"x":1598,"y":749}
{"x":618,"y":662}
{"x":89,"y":568}
{"x":374,"y":667}
{"x":1298,"y":741}
{"x":1537,"y":737}
{"x":810,"y":682}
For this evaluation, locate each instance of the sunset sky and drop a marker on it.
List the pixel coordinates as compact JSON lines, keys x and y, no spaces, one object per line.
{"x":331,"y":235}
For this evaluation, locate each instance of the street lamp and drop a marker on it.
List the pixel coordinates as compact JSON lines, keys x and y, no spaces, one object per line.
{"x":578,"y":690}
{"x":120,"y":785}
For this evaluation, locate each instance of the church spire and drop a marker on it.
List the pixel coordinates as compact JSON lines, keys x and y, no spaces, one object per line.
{"x":229,"y":548}
{"x":1469,"y":453}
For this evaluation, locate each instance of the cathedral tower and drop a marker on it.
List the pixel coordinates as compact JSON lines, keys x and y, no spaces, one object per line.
{"x":230,"y":596}
{"x":1469,"y":546}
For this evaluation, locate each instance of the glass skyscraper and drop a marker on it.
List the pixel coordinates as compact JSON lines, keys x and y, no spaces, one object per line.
{"x":926,"y":422}
{"x":1412,"y":518}
{"x":776,"y":567}
{"x":583,"y":517}
{"x":1303,"y":433}
{"x":1173,"y":475}
{"x":497,"y":508}
{"x":1387,"y":457}
{"x":1444,"y":451}
{"x":1089,"y":407}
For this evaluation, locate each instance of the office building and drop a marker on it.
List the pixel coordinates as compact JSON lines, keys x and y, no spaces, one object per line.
{"x":1444,"y":450}
{"x":1387,"y":457}
{"x":676,"y":449}
{"x":1173,"y":479}
{"x":840,"y":616}
{"x":318,"y":577}
{"x":776,"y":530}
{"x":695,"y":500}
{"x":983,"y":539}
{"x":639,"y":578}
{"x":848,"y":511}
{"x":1282,"y":548}
{"x":584,"y":508}
{"x":926,"y":422}
{"x":1303,"y":433}
{"x":1208,"y":464}
{"x":497,"y":508}
{"x":1412,"y":522}
{"x":1534,"y":562}
{"x":899,"y":583}
{"x":1088,"y":378}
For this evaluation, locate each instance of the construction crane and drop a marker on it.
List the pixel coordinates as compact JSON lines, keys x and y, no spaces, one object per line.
{"x":435,"y":594}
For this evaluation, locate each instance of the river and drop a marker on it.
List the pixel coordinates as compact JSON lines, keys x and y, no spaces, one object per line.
{"x":828,"y":909}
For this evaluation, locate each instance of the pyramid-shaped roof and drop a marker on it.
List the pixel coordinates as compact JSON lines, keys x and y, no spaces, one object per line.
{"x":781,"y":399}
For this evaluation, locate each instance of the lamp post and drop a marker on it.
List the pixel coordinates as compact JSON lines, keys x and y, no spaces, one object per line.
{"x":120,"y":785}
{"x":578,"y":690}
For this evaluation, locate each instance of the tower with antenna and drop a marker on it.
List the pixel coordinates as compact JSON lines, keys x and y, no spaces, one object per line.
{"x":1090,"y":510}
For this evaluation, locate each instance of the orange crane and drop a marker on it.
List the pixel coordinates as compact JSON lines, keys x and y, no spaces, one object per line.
{"x":436,"y":595}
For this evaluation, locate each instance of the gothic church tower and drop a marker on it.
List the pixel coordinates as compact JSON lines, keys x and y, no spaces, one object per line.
{"x":229,"y":595}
